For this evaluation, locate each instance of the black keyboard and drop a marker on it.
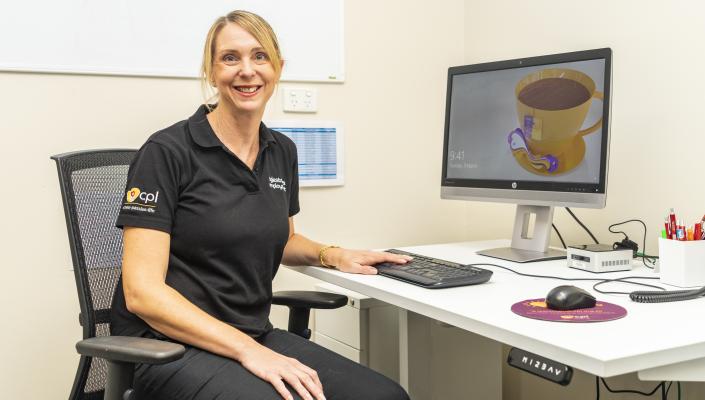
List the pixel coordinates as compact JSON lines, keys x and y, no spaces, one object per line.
{"x":433,"y":273}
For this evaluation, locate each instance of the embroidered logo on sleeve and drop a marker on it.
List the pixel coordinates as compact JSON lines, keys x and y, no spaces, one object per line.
{"x":137,"y":200}
{"x":277,"y":183}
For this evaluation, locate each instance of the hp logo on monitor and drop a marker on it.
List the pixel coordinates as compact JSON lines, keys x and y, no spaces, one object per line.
{"x":514,"y":185}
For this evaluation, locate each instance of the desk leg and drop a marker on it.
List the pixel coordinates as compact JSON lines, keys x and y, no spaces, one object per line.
{"x":404,"y":349}
{"x":438,"y":361}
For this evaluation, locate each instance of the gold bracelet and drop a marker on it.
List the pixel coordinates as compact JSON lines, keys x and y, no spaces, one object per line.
{"x":322,"y":253}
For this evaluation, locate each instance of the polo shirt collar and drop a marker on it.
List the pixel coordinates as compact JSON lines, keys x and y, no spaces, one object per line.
{"x":202,"y":133}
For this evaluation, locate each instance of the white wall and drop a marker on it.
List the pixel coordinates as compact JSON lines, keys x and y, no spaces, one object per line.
{"x":392,"y":109}
{"x":656,"y":146}
{"x":391,"y":105}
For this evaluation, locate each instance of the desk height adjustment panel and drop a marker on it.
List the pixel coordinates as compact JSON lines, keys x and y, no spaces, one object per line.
{"x":540,"y":366}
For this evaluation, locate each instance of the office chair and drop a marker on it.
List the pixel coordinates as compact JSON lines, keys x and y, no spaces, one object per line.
{"x":92,"y":187}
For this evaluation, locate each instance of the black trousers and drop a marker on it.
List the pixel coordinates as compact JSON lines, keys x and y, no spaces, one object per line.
{"x":201,"y":375}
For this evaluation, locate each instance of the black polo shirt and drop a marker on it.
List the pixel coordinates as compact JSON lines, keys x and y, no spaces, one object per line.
{"x":228,"y":223}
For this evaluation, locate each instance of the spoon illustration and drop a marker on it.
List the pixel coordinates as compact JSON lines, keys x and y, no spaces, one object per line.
{"x":517,"y":143}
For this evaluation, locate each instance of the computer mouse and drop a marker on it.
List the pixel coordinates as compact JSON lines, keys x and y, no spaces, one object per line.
{"x":568,"y":297}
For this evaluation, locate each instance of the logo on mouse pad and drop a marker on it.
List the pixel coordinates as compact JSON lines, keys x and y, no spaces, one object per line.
{"x":541,"y":304}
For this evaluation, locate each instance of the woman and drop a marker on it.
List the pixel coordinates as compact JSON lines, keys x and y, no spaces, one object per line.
{"x":207,"y":219}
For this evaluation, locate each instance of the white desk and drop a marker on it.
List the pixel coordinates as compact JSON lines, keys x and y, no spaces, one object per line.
{"x":663,"y":341}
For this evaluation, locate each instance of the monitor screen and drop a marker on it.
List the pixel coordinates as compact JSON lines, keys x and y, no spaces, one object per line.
{"x":535,"y":129}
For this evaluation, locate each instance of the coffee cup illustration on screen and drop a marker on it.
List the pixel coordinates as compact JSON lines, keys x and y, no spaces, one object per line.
{"x":552,"y":105}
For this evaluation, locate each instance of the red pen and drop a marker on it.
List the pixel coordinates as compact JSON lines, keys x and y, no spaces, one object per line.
{"x":667,"y":225}
{"x":672,"y":219}
{"x":697,"y":231}
{"x":685,"y":230}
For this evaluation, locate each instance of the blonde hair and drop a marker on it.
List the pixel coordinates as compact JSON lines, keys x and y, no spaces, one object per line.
{"x":255,"y":26}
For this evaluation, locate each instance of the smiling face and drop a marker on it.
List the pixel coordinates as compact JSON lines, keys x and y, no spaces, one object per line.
{"x":241,"y":71}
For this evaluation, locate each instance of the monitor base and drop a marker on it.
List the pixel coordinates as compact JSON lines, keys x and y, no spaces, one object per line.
{"x":522,"y":256}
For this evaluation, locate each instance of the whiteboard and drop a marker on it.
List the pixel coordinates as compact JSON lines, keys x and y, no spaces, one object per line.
{"x":161,"y":37}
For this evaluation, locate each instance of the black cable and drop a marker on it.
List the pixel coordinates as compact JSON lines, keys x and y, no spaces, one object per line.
{"x":643,"y":247}
{"x":559,"y":235}
{"x":644,"y":256}
{"x":594,"y":287}
{"x":661,"y":296}
{"x":664,"y":389}
{"x":599,"y":281}
{"x":581,"y":224}
{"x":609,"y":389}
{"x":652,"y":259}
{"x":668,"y":389}
{"x":597,"y":388}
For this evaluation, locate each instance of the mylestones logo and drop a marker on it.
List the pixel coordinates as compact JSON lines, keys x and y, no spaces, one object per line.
{"x":277,"y":183}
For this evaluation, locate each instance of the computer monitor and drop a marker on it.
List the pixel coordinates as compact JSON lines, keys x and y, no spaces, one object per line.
{"x":531,"y":131}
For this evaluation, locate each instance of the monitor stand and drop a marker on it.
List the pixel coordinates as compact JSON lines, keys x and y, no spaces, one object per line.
{"x":526,"y":248}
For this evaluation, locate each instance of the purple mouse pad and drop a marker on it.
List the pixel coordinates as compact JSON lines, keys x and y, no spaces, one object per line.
{"x":536,"y":309}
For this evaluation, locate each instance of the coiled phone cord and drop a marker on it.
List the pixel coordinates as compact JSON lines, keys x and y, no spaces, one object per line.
{"x":643,"y":296}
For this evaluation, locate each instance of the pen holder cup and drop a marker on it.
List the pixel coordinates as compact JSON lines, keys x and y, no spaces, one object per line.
{"x":682,"y":263}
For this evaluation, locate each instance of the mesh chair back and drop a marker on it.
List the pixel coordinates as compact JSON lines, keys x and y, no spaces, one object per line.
{"x":92,"y":187}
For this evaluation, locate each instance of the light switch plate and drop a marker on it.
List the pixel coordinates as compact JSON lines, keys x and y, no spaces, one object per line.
{"x":300,"y":100}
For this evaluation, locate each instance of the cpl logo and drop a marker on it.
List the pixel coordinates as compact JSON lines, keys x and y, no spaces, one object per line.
{"x":145,"y":197}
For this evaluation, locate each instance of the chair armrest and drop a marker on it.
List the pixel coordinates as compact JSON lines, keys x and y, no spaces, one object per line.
{"x":131,"y":349}
{"x":300,"y":304}
{"x":309,"y":299}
